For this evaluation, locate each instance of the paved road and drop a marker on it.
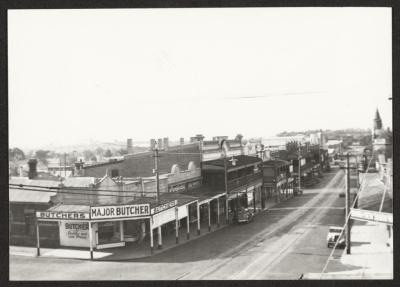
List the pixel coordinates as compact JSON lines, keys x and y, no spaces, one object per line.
{"x":282,"y":243}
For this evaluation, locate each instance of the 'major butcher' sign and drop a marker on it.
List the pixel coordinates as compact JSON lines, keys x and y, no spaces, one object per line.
{"x":131,"y":210}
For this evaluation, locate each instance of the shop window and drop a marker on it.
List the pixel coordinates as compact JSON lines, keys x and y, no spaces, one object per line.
{"x":29,"y":215}
{"x":108,"y":232}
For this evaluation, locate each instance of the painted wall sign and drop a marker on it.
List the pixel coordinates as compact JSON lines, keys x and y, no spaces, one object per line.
{"x":74,"y":233}
{"x":193,"y":184}
{"x":177,"y":188}
{"x":118,"y":211}
{"x":62,"y":215}
{"x":369,"y":215}
{"x":164,"y":206}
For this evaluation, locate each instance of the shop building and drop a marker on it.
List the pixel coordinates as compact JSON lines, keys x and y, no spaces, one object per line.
{"x":277,"y":180}
{"x":23,"y":203}
{"x":240,"y":177}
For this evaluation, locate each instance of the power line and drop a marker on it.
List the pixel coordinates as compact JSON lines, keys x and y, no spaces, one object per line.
{"x":66,"y":192}
{"x":360,"y":189}
{"x":71,"y":191}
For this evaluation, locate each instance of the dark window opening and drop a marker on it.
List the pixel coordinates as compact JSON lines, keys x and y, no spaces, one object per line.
{"x":114,"y":172}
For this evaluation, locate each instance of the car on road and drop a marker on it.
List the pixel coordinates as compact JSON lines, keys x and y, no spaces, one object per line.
{"x":342,"y":164}
{"x":336,"y":234}
{"x":244,"y":215}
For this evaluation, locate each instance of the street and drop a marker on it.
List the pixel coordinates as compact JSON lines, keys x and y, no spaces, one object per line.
{"x":281,"y":243}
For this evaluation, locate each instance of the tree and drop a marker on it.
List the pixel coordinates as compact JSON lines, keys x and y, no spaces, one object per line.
{"x":42,"y":155}
{"x":99,"y":151}
{"x":93,"y":158}
{"x":292,"y":146}
{"x":87,"y":154}
{"x":15,"y":154}
{"x":108,"y":153}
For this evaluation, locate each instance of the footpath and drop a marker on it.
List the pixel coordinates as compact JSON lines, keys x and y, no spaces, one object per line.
{"x":371,"y":243}
{"x":130,"y":251}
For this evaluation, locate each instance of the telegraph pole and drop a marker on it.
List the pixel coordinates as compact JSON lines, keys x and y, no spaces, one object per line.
{"x":65,"y":164}
{"x":348,"y":225}
{"x":299,"y":158}
{"x":156,"y":156}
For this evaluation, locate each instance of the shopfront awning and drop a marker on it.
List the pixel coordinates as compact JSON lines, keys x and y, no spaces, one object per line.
{"x":205,"y":194}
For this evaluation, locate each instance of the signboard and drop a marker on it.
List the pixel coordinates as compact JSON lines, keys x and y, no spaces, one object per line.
{"x":193,"y":184}
{"x":373,"y":216}
{"x":163,"y":217}
{"x":74,"y":233}
{"x":291,"y":168}
{"x":177,"y":188}
{"x":164,"y":206}
{"x":302,"y":161}
{"x":118,"y":211}
{"x":57,"y":215}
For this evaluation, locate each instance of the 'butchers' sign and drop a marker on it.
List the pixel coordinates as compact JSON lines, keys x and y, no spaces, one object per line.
{"x":62,"y":215}
{"x":132,"y":210}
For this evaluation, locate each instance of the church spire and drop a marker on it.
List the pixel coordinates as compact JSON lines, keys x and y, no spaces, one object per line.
{"x":377,"y":121}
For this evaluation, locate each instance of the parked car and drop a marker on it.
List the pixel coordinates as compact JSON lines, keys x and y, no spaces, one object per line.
{"x":297,"y":191}
{"x":336,"y":234}
{"x":244,"y":215}
{"x":342,"y":164}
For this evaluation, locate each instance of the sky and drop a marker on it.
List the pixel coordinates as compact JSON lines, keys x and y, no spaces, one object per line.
{"x":113,"y":74}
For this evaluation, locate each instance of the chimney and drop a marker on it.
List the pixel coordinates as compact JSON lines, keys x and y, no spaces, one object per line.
{"x":152,"y":144}
{"x":166,"y":143}
{"x":182,"y":141}
{"x":129,"y":146}
{"x":160,"y":146}
{"x":32,"y":168}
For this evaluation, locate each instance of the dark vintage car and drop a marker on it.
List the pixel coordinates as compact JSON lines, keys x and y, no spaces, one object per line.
{"x":244,"y":215}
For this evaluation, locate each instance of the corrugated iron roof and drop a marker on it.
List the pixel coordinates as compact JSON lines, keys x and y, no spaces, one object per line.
{"x":34,"y":182}
{"x":79,"y":181}
{"x":240,"y":161}
{"x":69,"y":208}
{"x":31,"y":196}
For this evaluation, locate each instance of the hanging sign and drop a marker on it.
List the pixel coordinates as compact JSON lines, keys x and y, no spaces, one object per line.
{"x":369,"y":215}
{"x":118,"y":211}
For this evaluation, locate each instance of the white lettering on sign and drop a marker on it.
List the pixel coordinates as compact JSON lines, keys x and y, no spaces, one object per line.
{"x":62,"y":215}
{"x":369,"y":215}
{"x":164,"y":206}
{"x":177,"y":188}
{"x":134,"y":210}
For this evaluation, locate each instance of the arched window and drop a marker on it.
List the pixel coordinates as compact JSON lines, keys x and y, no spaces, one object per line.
{"x":192,"y":166}
{"x":175,"y":169}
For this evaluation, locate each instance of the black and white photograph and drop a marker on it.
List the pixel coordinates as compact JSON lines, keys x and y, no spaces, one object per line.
{"x":224,"y":143}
